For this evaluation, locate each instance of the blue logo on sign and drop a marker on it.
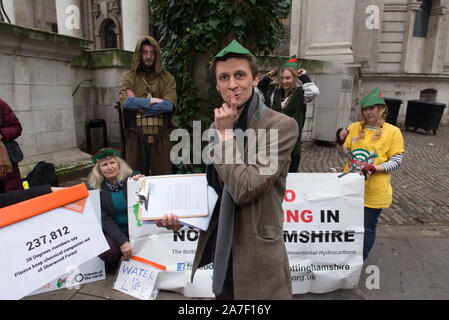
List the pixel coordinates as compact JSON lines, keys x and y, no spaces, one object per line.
{"x":181,"y":266}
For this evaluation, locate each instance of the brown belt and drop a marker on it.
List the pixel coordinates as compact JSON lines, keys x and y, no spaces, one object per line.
{"x":150,"y":127}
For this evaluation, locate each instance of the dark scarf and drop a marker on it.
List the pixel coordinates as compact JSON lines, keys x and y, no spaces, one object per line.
{"x":114,"y":188}
{"x":225,"y":207}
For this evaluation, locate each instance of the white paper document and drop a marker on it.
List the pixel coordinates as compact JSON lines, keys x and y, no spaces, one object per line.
{"x":184,"y":196}
{"x":201,"y":223}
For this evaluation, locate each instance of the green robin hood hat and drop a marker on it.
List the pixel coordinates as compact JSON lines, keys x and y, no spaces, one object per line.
{"x":293,"y":62}
{"x":373,"y":98}
{"x":106,"y":152}
{"x":233,"y":47}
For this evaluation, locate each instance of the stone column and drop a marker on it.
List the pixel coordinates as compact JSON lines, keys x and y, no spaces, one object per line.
{"x":295,"y":29}
{"x":135,"y":22}
{"x":330,"y":29}
{"x":446,"y":54}
{"x":10,"y":11}
{"x":68,"y":13}
{"x":435,"y":51}
{"x":413,"y":47}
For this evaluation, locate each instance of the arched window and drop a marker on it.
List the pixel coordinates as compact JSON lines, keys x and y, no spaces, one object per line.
{"x":110,"y":38}
{"x":428,"y":95}
{"x":422,"y":19}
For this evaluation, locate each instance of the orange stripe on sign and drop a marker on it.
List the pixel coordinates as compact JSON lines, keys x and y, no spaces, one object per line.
{"x":39,"y":205}
{"x":151,"y":263}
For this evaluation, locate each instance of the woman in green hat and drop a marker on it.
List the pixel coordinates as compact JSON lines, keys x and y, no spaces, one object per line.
{"x":374,"y":148}
{"x":110,"y":175}
{"x":288,"y":96}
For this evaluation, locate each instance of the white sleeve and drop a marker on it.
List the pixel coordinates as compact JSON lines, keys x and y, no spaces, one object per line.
{"x":310,"y":91}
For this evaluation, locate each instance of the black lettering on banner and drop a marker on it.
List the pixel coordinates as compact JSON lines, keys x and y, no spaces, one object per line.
{"x":192,"y":235}
{"x":37,"y":242}
{"x":329,"y":216}
{"x":318,"y":236}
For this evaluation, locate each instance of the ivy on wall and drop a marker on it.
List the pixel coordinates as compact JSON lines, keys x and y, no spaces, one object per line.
{"x":193,"y":31}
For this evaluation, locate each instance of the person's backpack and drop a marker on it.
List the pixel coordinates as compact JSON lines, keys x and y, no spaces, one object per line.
{"x":44,"y":173}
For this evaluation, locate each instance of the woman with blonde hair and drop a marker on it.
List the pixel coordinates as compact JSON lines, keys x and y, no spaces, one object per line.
{"x":374,"y":148}
{"x":110,"y":175}
{"x":96,"y":178}
{"x":290,"y":96}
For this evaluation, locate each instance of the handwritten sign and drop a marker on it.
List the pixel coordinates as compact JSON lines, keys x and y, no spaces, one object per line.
{"x":137,"y":280}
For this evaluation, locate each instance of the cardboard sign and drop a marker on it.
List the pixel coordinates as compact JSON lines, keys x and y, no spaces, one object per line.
{"x":137,"y":280}
{"x":91,"y":271}
{"x":45,"y":237}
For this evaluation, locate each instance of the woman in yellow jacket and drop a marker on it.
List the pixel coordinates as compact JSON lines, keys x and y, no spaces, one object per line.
{"x":374,"y":148}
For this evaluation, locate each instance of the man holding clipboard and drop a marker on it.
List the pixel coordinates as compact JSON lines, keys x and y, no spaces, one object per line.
{"x":245,"y":235}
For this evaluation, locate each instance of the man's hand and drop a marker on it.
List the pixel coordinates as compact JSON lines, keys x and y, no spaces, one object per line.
{"x":130,"y":94}
{"x":155,"y":100}
{"x":226,"y":117}
{"x":301,"y":72}
{"x":56,"y":189}
{"x":170,"y":222}
{"x":127,"y":250}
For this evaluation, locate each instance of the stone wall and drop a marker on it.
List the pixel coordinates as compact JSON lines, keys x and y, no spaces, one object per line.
{"x":35,"y":80}
{"x":409,"y":88}
{"x":98,"y":72}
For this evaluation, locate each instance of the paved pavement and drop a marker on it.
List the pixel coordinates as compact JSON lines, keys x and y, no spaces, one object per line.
{"x":411,"y":253}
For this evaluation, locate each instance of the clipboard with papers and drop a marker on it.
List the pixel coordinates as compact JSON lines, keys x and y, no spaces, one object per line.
{"x":183,"y":195}
{"x":201,"y":223}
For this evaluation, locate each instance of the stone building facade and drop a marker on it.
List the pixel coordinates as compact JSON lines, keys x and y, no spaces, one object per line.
{"x":61,"y":63}
{"x":402,"y":46}
{"x":107,"y":23}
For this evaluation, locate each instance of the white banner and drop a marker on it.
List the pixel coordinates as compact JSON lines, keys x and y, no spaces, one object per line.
{"x":323,"y":233}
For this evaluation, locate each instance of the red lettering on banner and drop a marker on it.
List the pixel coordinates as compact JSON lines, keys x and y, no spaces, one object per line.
{"x":291,"y":216}
{"x":290,"y":196}
{"x":306,"y":216}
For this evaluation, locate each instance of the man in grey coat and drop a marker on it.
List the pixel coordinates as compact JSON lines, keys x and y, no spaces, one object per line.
{"x":245,"y":236}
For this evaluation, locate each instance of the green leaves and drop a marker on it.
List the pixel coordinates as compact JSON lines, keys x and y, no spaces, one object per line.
{"x":213,"y":23}
{"x":238,"y":22}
